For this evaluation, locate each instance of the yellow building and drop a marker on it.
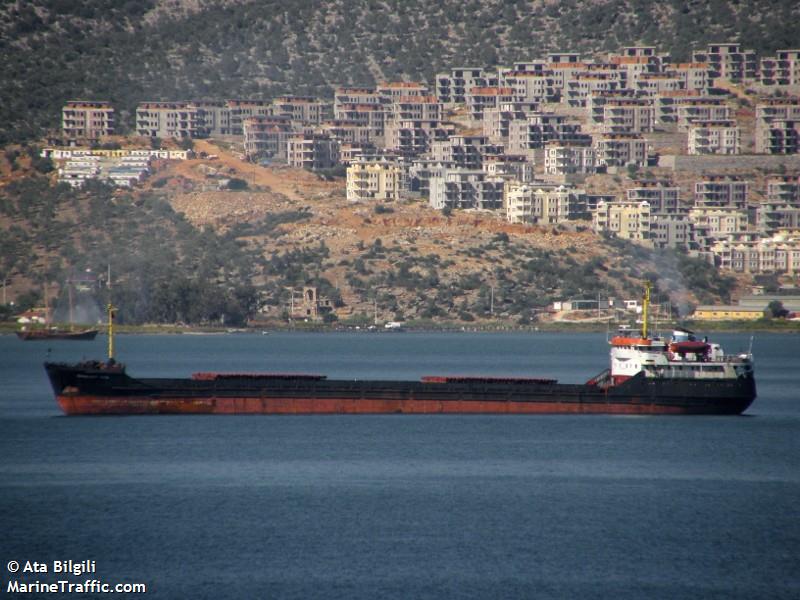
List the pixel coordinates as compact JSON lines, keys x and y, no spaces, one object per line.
{"x":374,"y":180}
{"x":727,"y":313}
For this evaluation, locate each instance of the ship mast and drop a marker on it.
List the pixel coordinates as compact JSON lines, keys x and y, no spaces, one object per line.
{"x":110,"y":308}
{"x":645,"y":307}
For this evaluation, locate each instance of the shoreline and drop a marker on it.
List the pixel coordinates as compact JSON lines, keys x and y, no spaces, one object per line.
{"x":785,"y":327}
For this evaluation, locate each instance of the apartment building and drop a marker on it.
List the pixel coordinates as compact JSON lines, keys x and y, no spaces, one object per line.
{"x":671,"y":231}
{"x":372,"y":116}
{"x":530,"y":86}
{"x":466,"y":188}
{"x":712,"y":224}
{"x":721,"y":191}
{"x":662,"y":196}
{"x":628,"y":115}
{"x":347,"y":132}
{"x":569,"y":159}
{"x":620,"y":149}
{"x":695,"y":76}
{"x":496,"y":120}
{"x":585,"y":83}
{"x":777,"y":128}
{"x":347,"y":96}
{"x":756,"y":255}
{"x":780,"y":209}
{"x":543,"y":204}
{"x":540,"y":128}
{"x":87,"y":120}
{"x":413,"y":137}
{"x":564,"y":67}
{"x":178,"y":119}
{"x":652,"y":84}
{"x":304,"y":109}
{"x":239,"y":110}
{"x":350,"y":152}
{"x":624,"y":219}
{"x":421,"y":108}
{"x":508,"y":166}
{"x":667,"y":104}
{"x":781,"y":70}
{"x":394,"y":90}
{"x":369,"y":179}
{"x":420,"y":172}
{"x":266,"y":137}
{"x":714,"y":137}
{"x":480,"y":98}
{"x":728,"y":61}
{"x":311,"y":151}
{"x":706,"y":109}
{"x":452,"y":87}
{"x":464,"y":151}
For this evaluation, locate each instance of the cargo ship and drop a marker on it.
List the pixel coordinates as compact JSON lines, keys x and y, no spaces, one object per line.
{"x":647,"y":375}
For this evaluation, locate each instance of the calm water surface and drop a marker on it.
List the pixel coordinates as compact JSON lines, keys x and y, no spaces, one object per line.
{"x":403,"y":506}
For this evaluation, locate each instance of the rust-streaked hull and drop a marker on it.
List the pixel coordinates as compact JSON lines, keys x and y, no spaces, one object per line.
{"x":95,"y":388}
{"x":98,"y":405}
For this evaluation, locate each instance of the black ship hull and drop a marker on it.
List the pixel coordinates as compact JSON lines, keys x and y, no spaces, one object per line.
{"x":99,"y":388}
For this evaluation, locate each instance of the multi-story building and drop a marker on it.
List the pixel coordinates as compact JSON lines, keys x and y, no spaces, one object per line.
{"x":348,"y":96}
{"x":347,"y":132}
{"x":781,"y":208}
{"x":637,"y":62}
{"x":668,"y":103}
{"x":694,"y":75}
{"x":749,"y":253}
{"x":543,"y":204}
{"x":465,"y":152}
{"x":721,"y":191}
{"x":671,"y":231}
{"x":586,"y":83}
{"x":466,"y":188}
{"x":452,"y":87}
{"x":370,"y":115}
{"x":266,"y":137}
{"x":87,"y":120}
{"x":420,"y":173}
{"x":728,"y":61}
{"x":304,"y":109}
{"x":714,"y":137}
{"x":496,"y":120}
{"x":623,"y":219}
{"x":350,"y":152}
{"x":620,"y":149}
{"x":421,"y":108}
{"x":712,"y":224}
{"x":369,"y":179}
{"x":540,"y":128}
{"x":394,"y":90}
{"x":530,"y":86}
{"x":782,"y":69}
{"x":480,"y":98}
{"x":239,"y":110}
{"x":563,"y":159}
{"x":179,"y":119}
{"x":662,"y":196}
{"x":311,"y":151}
{"x":706,"y":109}
{"x":778,"y":126}
{"x":413,"y":137}
{"x":628,"y":115}
{"x":509,"y":166}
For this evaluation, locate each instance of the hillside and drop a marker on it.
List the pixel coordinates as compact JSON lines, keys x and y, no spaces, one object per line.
{"x":182,"y":250}
{"x":183,"y":49}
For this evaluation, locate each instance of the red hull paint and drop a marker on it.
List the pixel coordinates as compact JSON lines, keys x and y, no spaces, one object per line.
{"x":97,"y":405}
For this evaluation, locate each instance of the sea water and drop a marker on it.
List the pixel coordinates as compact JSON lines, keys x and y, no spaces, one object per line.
{"x":400,"y":506}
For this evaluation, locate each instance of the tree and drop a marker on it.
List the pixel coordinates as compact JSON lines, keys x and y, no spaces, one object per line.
{"x":775,"y":310}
